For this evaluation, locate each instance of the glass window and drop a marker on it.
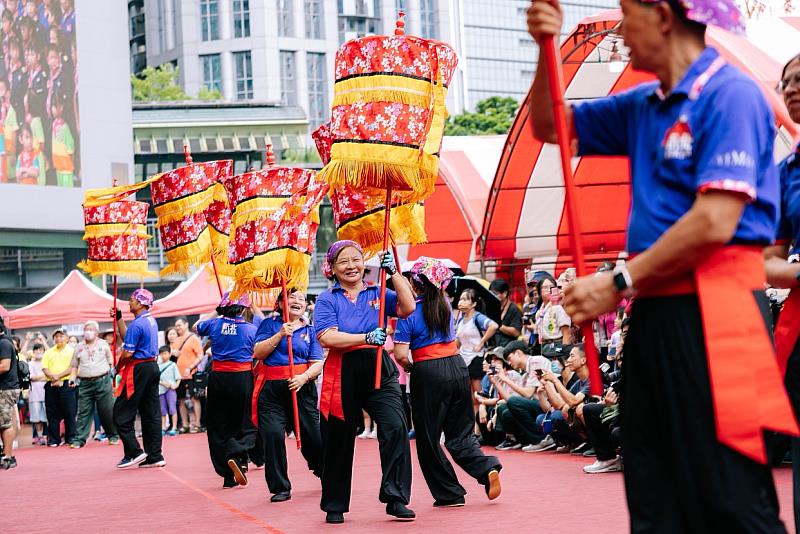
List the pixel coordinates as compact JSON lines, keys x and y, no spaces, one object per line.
{"x":209,"y":20}
{"x":288,"y":78}
{"x":285,"y":19}
{"x":212,"y":72}
{"x":429,"y":19}
{"x":313,"y":14}
{"x":241,"y":18}
{"x":317,"y":90}
{"x":244,"y":75}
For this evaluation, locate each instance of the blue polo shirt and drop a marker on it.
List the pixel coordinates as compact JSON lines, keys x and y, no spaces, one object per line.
{"x":305,"y":347}
{"x":679,"y":146}
{"x":232,"y":340}
{"x":141,"y":338}
{"x":414,"y":331}
{"x":789,"y":227}
{"x":334,"y":309}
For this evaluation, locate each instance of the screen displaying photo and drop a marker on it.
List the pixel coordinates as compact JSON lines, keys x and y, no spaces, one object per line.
{"x":39,"y":122}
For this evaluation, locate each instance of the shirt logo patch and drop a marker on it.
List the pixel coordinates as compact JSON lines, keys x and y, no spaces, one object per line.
{"x":735,"y":158}
{"x":228,"y":329}
{"x":375,"y":304}
{"x":678,"y":141}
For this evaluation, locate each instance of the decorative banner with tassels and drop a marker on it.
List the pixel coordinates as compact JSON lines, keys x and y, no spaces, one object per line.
{"x":116,"y":236}
{"x":360,"y":217}
{"x":274,"y":224}
{"x":388,"y":114}
{"x":182,"y":198}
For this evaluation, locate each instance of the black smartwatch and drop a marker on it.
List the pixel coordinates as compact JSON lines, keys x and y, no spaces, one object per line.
{"x":623,"y":282}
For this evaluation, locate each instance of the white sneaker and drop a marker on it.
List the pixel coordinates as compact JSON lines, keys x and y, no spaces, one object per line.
{"x":373,"y":434}
{"x":545,"y":445}
{"x":364,"y":435}
{"x":604,"y":466}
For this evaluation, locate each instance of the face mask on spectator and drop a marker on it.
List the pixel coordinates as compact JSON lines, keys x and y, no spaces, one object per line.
{"x":89,"y":335}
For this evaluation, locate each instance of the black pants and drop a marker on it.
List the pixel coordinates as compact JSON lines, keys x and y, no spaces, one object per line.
{"x":385,"y":407}
{"x":144,"y":401}
{"x":441,"y":402}
{"x":61,"y":404}
{"x":678,"y":477}
{"x":792,"y":381}
{"x":275,"y":417}
{"x":230,"y":430}
{"x":600,"y":437}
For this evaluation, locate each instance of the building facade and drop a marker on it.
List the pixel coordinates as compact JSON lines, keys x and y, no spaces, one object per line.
{"x":283,"y":50}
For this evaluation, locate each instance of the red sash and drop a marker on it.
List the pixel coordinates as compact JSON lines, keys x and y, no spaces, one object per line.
{"x":266,"y":372}
{"x":330,"y":400}
{"x":125,"y":373}
{"x":231,"y":367}
{"x":788,"y":329}
{"x":746,"y":384}
{"x":434,"y":352}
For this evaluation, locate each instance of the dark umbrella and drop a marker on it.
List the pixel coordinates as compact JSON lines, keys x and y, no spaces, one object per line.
{"x":491,"y":304}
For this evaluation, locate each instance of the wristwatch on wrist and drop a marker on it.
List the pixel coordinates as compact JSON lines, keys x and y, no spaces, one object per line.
{"x":623,"y":282}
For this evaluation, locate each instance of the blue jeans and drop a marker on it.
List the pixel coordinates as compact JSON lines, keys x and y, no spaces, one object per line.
{"x":519,"y":418}
{"x":562,"y":432}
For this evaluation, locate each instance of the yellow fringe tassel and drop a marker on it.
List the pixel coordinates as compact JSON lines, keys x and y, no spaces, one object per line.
{"x":219,"y":249}
{"x":131,"y":268}
{"x":269,"y":270}
{"x":411,"y":183}
{"x":406,"y":226}
{"x":107,"y":195}
{"x":176,"y":210}
{"x":258,"y":209}
{"x":192,"y":254}
{"x":115,"y":229}
{"x":358,"y":96}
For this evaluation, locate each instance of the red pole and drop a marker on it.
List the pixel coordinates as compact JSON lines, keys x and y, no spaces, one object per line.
{"x":382,"y":310}
{"x":216,"y":275}
{"x":114,"y":336}
{"x":291,"y":363}
{"x":556,"y":86}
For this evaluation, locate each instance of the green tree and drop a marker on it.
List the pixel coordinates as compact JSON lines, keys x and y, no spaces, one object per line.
{"x":158,"y":84}
{"x":208,"y":94}
{"x":493,"y":115}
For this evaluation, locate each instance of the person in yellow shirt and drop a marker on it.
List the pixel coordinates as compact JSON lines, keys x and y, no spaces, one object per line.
{"x":60,"y":395}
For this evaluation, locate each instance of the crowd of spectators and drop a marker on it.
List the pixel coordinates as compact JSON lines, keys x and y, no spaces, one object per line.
{"x":532,"y":390}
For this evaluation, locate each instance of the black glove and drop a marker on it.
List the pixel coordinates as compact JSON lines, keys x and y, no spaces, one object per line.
{"x":377,"y":337}
{"x":119,"y":315}
{"x":387,"y":263}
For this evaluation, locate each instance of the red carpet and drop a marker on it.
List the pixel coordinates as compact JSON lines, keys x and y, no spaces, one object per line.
{"x":541,"y":492}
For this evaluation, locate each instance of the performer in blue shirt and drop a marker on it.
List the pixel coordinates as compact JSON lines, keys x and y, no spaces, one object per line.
{"x":701,"y":380}
{"x":138,"y":387}
{"x":272,"y":397}
{"x":230,"y":386}
{"x":346,"y":322}
{"x":784,"y":274}
{"x":441,"y":399}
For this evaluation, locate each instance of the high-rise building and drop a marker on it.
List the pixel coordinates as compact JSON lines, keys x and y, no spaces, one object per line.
{"x":283,"y":50}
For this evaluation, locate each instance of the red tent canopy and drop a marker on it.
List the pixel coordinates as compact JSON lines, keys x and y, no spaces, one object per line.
{"x":75,"y":300}
{"x":3,"y":313}
{"x":525,"y":218}
{"x":454,"y":213}
{"x":196,"y":295}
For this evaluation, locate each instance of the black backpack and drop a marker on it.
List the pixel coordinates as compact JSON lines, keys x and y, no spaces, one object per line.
{"x":23,"y":371}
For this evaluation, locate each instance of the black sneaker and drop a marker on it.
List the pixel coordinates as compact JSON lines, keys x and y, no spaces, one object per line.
{"x":153,"y":463}
{"x":454,"y":503}
{"x":334,"y":517}
{"x":588,"y":453}
{"x":238,"y":472}
{"x":8,"y":462}
{"x":229,"y":483}
{"x":281,"y":496}
{"x":400,"y":511}
{"x":509,"y":444}
{"x":131,"y":462}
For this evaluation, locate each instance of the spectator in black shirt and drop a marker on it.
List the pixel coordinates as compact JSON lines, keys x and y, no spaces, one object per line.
{"x":9,"y":395}
{"x":510,"y":315}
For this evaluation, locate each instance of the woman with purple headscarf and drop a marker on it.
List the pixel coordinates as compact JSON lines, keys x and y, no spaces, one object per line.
{"x":346,"y":322}
{"x":441,"y":394}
